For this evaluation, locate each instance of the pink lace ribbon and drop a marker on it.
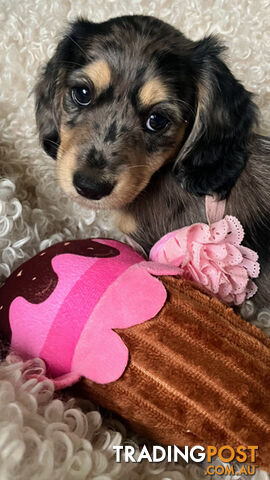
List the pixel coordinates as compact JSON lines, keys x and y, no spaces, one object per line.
{"x":212,"y":256}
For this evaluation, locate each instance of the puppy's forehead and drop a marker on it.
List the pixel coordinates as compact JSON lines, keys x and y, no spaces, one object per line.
{"x":120,"y":62}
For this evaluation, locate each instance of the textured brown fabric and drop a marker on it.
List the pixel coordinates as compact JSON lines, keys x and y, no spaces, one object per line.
{"x":197,"y":374}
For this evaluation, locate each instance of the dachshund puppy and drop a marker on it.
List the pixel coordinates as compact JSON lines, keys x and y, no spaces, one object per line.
{"x":145,"y":122}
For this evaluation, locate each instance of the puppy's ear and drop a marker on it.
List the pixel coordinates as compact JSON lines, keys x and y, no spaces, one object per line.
{"x":217,"y":147}
{"x":48,"y":109}
{"x":69,"y":55}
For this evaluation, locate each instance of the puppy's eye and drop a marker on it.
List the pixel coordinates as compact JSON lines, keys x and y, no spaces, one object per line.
{"x":81,"y":95}
{"x":156,"y":122}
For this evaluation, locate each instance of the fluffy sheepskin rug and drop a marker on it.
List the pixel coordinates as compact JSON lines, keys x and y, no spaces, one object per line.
{"x":41,"y":436}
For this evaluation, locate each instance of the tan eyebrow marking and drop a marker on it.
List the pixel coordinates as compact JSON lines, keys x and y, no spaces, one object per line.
{"x":100,"y":74}
{"x":153,"y":91}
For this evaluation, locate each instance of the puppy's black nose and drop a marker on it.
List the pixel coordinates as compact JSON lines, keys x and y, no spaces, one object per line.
{"x":89,"y":188}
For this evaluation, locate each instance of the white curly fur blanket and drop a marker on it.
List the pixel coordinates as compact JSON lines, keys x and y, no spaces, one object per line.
{"x":40,"y":437}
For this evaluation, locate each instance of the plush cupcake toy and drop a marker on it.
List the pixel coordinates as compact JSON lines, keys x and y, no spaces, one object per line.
{"x":135,"y":336}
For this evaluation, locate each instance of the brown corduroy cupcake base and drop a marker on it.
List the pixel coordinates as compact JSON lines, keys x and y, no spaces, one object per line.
{"x":197,"y":375}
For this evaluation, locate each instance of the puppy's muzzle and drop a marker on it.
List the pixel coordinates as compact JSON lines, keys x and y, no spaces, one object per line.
{"x":90,"y":188}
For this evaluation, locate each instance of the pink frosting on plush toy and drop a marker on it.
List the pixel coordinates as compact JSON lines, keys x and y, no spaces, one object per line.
{"x":73,"y":328}
{"x":213,"y":257}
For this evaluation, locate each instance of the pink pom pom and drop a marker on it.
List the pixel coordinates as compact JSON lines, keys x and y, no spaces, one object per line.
{"x":213,"y":257}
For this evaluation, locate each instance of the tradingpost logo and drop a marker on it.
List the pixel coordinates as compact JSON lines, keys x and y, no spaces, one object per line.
{"x":198,"y":454}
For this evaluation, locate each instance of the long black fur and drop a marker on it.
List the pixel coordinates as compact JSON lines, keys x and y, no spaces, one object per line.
{"x":221,"y":149}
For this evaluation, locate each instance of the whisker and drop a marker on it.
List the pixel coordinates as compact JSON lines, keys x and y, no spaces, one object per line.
{"x":185,"y":104}
{"x":51,"y":141}
{"x":71,"y":63}
{"x":72,"y":39}
{"x":133,"y":166}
